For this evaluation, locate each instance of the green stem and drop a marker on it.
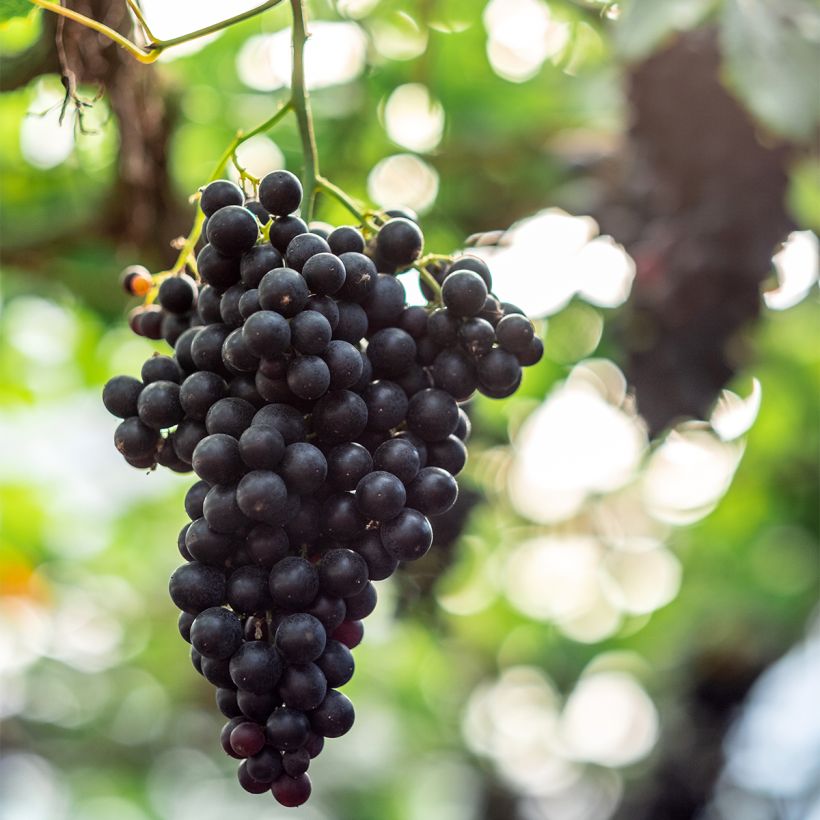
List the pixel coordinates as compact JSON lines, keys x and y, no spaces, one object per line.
{"x":430,"y":281}
{"x":243,"y":136}
{"x":214,"y":27}
{"x":327,"y":187}
{"x":155,"y":46}
{"x":187,"y":250}
{"x":300,"y":99}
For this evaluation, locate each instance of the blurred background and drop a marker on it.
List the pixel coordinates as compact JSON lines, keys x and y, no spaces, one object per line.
{"x":623,"y":621}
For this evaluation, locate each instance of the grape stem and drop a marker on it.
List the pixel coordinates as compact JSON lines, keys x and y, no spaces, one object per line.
{"x":300,"y":98}
{"x":155,"y":46}
{"x":355,"y":208}
{"x":186,"y":253}
{"x":430,"y":281}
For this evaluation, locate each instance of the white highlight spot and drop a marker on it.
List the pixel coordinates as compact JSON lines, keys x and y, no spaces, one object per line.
{"x":335,"y":54}
{"x":403,"y":180}
{"x":413,"y":118}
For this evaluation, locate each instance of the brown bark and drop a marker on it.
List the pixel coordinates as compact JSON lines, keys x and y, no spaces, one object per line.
{"x":141,"y":210}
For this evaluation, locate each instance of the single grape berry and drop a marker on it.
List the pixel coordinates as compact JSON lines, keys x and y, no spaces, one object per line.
{"x":400,"y":242}
{"x":206,"y":348}
{"x":342,"y":573}
{"x":476,"y":337}
{"x":258,"y":210}
{"x":464,"y":293}
{"x":300,"y":638}
{"x":498,"y":370}
{"x":247,"y":590}
{"x":350,"y":633}
{"x":256,"y":707}
{"x":256,"y":667}
{"x":308,"y":377}
{"x":450,"y":454}
{"x":267,"y":545}
{"x":385,"y":303}
{"x":160,"y":368}
{"x":432,"y":414}
{"x":199,"y":392}
{"x":283,"y":290}
{"x":262,"y":496}
{"x":362,"y":604}
{"x":293,"y":583}
{"x":291,"y":791}
{"x":194,"y":499}
{"x":474,"y":264}
{"x":287,"y":420}
{"x":324,"y":273}
{"x":303,"y":686}
{"x":280,"y":193}
{"x":195,"y":587}
{"x":386,"y":405}
{"x":216,"y":459}
{"x":455,"y":373}
{"x":515,"y":333}
{"x":380,"y":496}
{"x":329,"y":611}
{"x":120,"y":396}
{"x":261,"y":448}
{"x":297,"y":762}
{"x":177,"y":294}
{"x":134,"y":439}
{"x":339,"y":416}
{"x":232,"y":230}
{"x":347,"y":464}
{"x":408,"y":536}
{"x":391,"y":351}
{"x":226,"y":700}
{"x":216,"y":633}
{"x":533,"y":354}
{"x":218,"y":194}
{"x":229,"y":415}
{"x":433,"y":491}
{"x":344,"y":363}
{"x":399,"y":457}
{"x":136,"y":280}
{"x":345,"y":239}
{"x":337,"y":664}
{"x":265,"y":766}
{"x":310,"y":332}
{"x":334,"y":717}
{"x":303,"y":467}
{"x":159,"y":406}
{"x":360,"y":276}
{"x":222,"y":511}
{"x":247,"y":739}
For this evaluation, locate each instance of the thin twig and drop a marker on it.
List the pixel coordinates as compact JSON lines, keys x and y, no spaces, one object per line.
{"x":301,"y":107}
{"x":155,"y":46}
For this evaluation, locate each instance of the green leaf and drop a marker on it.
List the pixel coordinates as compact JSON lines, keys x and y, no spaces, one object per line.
{"x":772,"y":56}
{"x":14,"y":8}
{"x":644,"y":24}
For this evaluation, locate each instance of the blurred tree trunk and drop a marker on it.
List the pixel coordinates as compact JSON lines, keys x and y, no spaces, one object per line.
{"x":706,"y":195}
{"x":141,"y":210}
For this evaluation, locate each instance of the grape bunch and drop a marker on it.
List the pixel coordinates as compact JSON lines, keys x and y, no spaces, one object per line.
{"x":321,"y":416}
